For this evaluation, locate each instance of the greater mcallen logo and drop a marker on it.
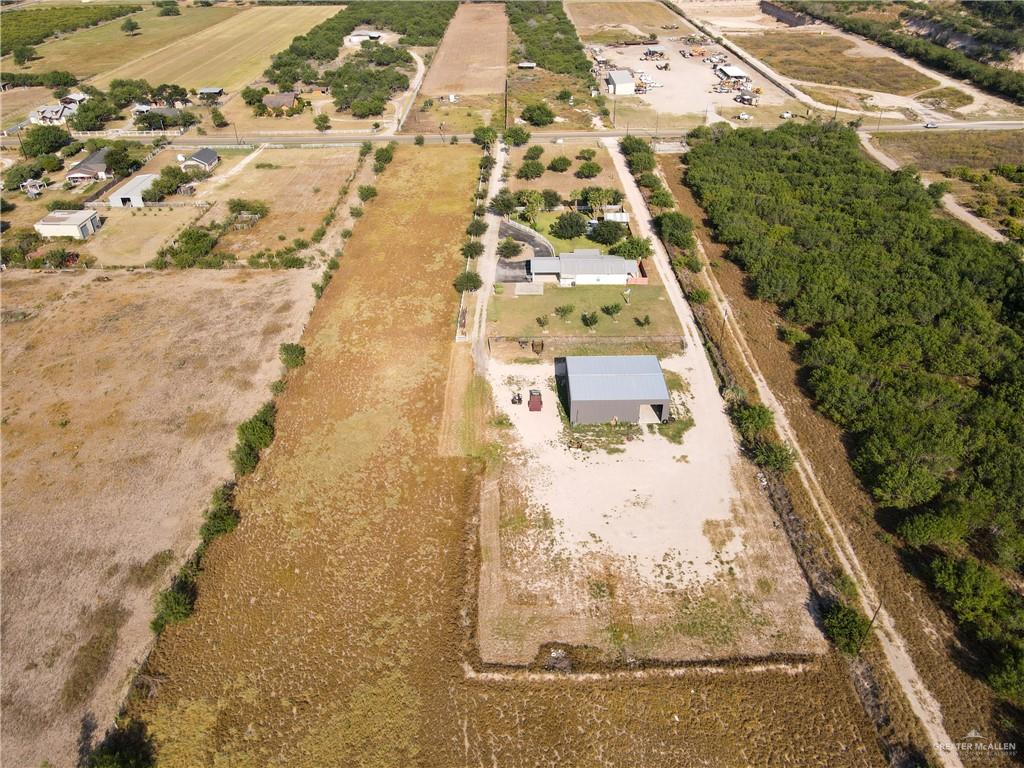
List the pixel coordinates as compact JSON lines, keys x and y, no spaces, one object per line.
{"x":976,"y":743}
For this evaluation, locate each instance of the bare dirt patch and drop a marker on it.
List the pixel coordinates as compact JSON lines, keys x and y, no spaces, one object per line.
{"x":565,"y":182}
{"x":661,"y":551}
{"x":103,"y":474}
{"x":473,"y":56}
{"x":604,"y":22}
{"x":130,"y":237}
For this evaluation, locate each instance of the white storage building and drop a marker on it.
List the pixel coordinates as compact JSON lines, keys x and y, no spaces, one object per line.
{"x":620,"y":82}
{"x":129,"y":195}
{"x":585,"y":267}
{"x":76,"y":224}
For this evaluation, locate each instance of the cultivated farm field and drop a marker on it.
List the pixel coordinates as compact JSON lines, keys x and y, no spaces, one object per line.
{"x":121,"y":392}
{"x":473,"y":56}
{"x":229,"y":55}
{"x":96,"y":50}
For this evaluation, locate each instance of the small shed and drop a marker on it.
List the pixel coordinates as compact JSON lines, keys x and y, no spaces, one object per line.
{"x":205,"y":159}
{"x":211,"y":90}
{"x":729,"y":72}
{"x":619,"y":388}
{"x":129,"y":195}
{"x":527,"y":65}
{"x":76,"y":224}
{"x":620,"y":82}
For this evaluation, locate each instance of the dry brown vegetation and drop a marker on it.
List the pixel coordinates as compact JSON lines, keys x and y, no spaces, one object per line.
{"x":473,"y":56}
{"x":121,"y":392}
{"x":605,"y":22}
{"x":328,"y":625}
{"x":942,"y":151}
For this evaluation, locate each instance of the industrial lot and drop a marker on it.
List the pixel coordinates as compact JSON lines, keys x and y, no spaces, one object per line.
{"x":507,"y":383}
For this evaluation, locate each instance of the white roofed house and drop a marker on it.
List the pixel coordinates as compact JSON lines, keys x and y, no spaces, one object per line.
{"x":52,"y":114}
{"x":586,"y":267}
{"x":620,"y":82}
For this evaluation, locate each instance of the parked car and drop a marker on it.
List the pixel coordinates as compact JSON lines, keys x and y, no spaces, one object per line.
{"x":931,"y":125}
{"x":786,"y":115}
{"x":535,"y":402}
{"x":744,"y":116}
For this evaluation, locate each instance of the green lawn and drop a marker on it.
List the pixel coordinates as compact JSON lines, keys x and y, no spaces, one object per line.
{"x":517,"y":315}
{"x":544,"y":222}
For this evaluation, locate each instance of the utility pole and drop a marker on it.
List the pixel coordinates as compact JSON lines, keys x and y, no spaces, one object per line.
{"x":506,"y":102}
{"x":836,"y":115}
{"x":871,"y":623}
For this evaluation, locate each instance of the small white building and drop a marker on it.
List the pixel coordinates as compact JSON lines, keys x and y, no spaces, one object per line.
{"x":129,"y":195}
{"x":620,"y":83}
{"x":527,"y":65}
{"x":586,"y":267}
{"x":76,"y":224}
{"x":360,"y":36}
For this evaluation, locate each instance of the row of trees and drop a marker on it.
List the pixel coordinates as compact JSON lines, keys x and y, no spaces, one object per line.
{"x":420,"y":23}
{"x":997,"y":80}
{"x":915,"y":324}
{"x":364,"y":84}
{"x":548,"y":36}
{"x":32,"y":27}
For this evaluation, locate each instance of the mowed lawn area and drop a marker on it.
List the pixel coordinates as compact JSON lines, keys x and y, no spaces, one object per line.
{"x":833,"y":60}
{"x":16,"y":103}
{"x":229,"y":55}
{"x":511,"y":315}
{"x":96,"y":50}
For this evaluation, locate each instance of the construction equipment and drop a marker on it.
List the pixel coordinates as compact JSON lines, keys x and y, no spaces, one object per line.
{"x":535,"y":403}
{"x":663,"y":67}
{"x":517,"y":398}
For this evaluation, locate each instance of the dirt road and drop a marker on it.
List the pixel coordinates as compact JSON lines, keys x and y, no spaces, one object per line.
{"x":953,"y":208}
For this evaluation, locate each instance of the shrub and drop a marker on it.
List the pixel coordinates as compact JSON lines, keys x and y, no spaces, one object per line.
{"x":589,"y":319}
{"x":538,"y":115}
{"x":63,"y":204}
{"x":419,"y":140}
{"x":793,"y":335}
{"x":569,"y":225}
{"x":611,"y":309}
{"x":542,"y":321}
{"x":649,"y":180}
{"x":356,"y":211}
{"x":608,"y":232}
{"x":564,"y":311}
{"x":218,"y":119}
{"x":846,"y":627}
{"x":586,"y":154}
{"x":559,"y":164}
{"x":292,"y":355}
{"x":485,"y":136}
{"x":551,"y":199}
{"x":531,"y":169}
{"x":476,"y":228}
{"x":256,"y":207}
{"x":587,"y":170}
{"x":564,"y":95}
{"x":367,"y":192}
{"x":661,"y":198}
{"x":128,"y":745}
{"x":221,"y":516}
{"x":698,"y":296}
{"x":632,"y":248}
{"x":467,"y":281}
{"x":472,"y":249}
{"x":773,"y":456}
{"x":676,"y":229}
{"x":516,"y":136}
{"x":177,"y":602}
{"x":533,"y":153}
{"x":752,"y":420}
{"x":253,"y":436}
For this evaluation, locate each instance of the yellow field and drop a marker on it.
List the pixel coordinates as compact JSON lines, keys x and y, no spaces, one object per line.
{"x":130,"y":238}
{"x":473,"y":56}
{"x":96,"y":50}
{"x":606,"y":22}
{"x":229,"y":55}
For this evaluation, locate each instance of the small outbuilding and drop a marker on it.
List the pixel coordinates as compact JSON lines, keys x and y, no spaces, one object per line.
{"x":615,"y":388}
{"x":210,"y":91}
{"x":76,"y":224}
{"x":620,"y":83}
{"x":129,"y":195}
{"x":729,"y":72}
{"x":205,"y":159}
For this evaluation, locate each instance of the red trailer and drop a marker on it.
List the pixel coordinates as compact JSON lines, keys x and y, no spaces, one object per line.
{"x":535,"y":401}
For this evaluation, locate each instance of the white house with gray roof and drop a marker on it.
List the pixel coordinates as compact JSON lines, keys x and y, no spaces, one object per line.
{"x":586,"y":267}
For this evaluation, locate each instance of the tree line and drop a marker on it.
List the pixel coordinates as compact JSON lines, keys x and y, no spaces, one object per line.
{"x":1002,"y":82}
{"x":916,"y":329}
{"x":31,"y":27}
{"x":548,"y":36}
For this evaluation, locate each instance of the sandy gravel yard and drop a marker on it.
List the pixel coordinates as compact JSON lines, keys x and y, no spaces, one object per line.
{"x":635,"y":546}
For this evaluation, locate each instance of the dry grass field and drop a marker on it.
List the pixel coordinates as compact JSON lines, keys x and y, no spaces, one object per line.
{"x":942,"y":151}
{"x":328,"y":627}
{"x":229,"y":55}
{"x":833,"y":60}
{"x":130,"y":238}
{"x":473,"y":56}
{"x":93,"y":51}
{"x":608,"y":22}
{"x":300,"y":187}
{"x":16,"y":103}
{"x":563,"y":183}
{"x":121,"y":392}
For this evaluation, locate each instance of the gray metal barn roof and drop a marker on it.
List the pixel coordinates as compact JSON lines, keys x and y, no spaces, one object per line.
{"x":620,"y":77}
{"x":616,"y":377}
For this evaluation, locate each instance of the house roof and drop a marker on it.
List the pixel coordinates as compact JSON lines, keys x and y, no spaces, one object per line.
{"x":281,"y":100}
{"x":75,"y":218}
{"x":93,"y":164}
{"x":206,"y":156}
{"x":135,"y":185}
{"x":616,"y":377}
{"x":583,"y":262}
{"x":210,"y":89}
{"x":620,"y":77}
{"x":165,"y":111}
